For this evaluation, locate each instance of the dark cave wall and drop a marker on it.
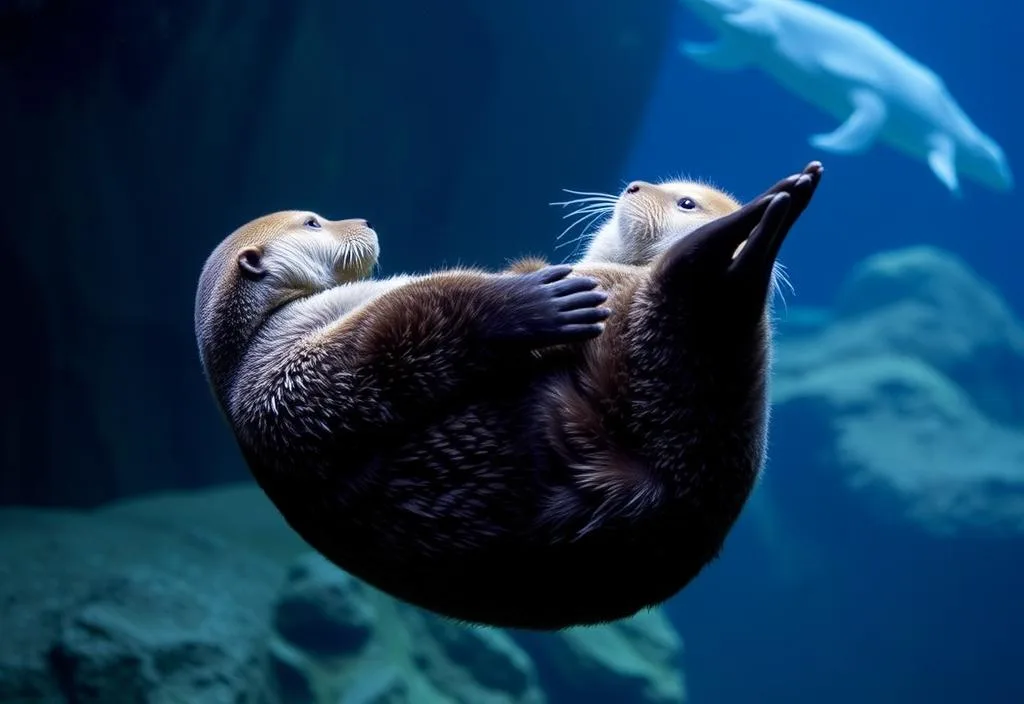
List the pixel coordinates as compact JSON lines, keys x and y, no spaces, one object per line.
{"x":136,"y":138}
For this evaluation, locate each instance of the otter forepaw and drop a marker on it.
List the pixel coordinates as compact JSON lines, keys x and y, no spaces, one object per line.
{"x":548,"y":307}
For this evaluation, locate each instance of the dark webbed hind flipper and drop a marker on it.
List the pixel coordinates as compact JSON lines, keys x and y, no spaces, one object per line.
{"x":547,"y":307}
{"x":754,"y":262}
{"x":709,"y":248}
{"x":707,"y":259}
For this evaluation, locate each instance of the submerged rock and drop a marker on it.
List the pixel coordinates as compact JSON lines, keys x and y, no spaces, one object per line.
{"x":323,"y":610}
{"x":102,"y":610}
{"x":924,"y":303}
{"x":290,"y":674}
{"x":143,"y":602}
{"x":382,"y":685}
{"x":475,"y":664}
{"x":909,"y":407}
{"x":351,"y":643}
{"x":433,"y":659}
{"x":896,"y":437}
{"x":636,"y":660}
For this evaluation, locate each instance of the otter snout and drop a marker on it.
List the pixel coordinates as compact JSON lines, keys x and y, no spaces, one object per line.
{"x":345,"y":228}
{"x":635,"y":186}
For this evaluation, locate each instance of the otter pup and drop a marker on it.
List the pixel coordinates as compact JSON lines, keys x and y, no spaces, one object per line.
{"x":423,"y":435}
{"x":645,"y":219}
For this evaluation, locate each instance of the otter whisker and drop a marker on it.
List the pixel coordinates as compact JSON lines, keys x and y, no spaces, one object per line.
{"x":574,"y":240}
{"x":588,"y":216}
{"x":780,"y":279}
{"x":586,"y":233}
{"x":574,"y":201}
{"x":587,"y":193}
{"x":580,"y":240}
{"x":782,"y":274}
{"x":585,"y":237}
{"x":571,"y":226}
{"x":596,"y":194}
{"x":604,"y":208}
{"x":599,"y":204}
{"x":583,"y":233}
{"x":595,"y":215}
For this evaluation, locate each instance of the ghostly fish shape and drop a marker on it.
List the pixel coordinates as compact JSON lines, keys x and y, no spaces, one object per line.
{"x":850,"y":71}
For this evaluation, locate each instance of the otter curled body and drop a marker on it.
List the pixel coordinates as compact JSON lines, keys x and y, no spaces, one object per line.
{"x":516,"y":469}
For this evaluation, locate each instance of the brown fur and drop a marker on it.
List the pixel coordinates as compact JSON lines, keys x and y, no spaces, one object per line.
{"x":423,"y":441}
{"x":526,"y":265}
{"x":610,"y":470}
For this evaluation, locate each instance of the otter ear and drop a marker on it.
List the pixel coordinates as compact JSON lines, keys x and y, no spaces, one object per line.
{"x":250,"y":263}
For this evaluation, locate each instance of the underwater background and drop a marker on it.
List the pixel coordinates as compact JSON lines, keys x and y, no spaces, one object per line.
{"x":879,"y":559}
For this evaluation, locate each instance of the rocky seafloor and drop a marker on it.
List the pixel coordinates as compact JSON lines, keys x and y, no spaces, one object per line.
{"x":208,"y":597}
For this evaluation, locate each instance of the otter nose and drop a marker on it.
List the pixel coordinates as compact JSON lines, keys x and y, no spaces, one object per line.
{"x":634,"y":187}
{"x":367,"y":225}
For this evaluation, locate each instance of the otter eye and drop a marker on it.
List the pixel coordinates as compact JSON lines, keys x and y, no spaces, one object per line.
{"x":686,"y":203}
{"x":312,"y":223}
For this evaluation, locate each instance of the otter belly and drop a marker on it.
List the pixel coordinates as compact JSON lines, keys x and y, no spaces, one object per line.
{"x":455,"y":516}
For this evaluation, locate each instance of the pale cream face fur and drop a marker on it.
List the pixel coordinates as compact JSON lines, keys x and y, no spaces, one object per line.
{"x":305,"y":252}
{"x":275,"y":259}
{"x":646,"y":218}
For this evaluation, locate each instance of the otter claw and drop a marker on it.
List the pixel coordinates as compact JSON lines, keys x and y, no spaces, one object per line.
{"x":581,"y":333}
{"x":568,"y":287}
{"x":583,"y":316}
{"x":552,"y":273}
{"x":587,"y":299}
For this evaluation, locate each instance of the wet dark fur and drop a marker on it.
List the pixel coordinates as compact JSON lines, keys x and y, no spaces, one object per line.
{"x":495,"y":483}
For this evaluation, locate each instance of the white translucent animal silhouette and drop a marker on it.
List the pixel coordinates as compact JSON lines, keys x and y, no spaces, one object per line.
{"x":851,"y":72}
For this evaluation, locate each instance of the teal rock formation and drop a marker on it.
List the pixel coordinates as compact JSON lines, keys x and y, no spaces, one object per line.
{"x":210,"y":597}
{"x":102,"y":609}
{"x":910,"y":402}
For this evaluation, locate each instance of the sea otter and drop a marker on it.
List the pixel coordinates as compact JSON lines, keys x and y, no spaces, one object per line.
{"x":442,"y":438}
{"x":645,"y":219}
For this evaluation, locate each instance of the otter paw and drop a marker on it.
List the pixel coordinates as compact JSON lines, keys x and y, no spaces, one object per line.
{"x":551,"y":308}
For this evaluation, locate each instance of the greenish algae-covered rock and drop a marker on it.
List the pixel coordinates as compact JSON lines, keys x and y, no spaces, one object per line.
{"x":210,"y":594}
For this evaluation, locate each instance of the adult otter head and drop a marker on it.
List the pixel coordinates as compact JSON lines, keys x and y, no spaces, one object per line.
{"x":266,"y":264}
{"x":646,"y":218}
